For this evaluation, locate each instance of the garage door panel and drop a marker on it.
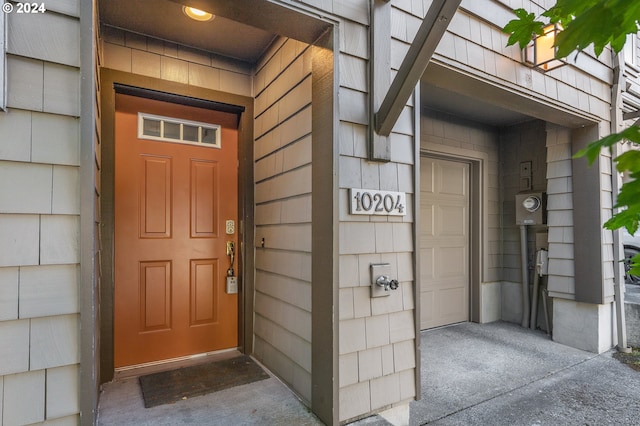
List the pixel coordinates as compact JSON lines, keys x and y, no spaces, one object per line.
{"x":426,"y":177}
{"x":448,"y":284}
{"x":427,"y":306}
{"x":426,"y":261}
{"x":454,"y":306}
{"x":449,"y":263}
{"x":452,"y":178}
{"x":444,"y":243}
{"x":452,"y":220}
{"x":426,"y":219}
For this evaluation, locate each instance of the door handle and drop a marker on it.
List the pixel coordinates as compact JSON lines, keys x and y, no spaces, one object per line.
{"x":231,"y":252}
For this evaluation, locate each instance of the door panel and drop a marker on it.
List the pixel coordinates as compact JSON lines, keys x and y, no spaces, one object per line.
{"x":444,"y":242}
{"x":155,"y":296}
{"x":204,"y":178}
{"x":171,"y":203}
{"x":155,"y":197}
{"x":203,"y":283}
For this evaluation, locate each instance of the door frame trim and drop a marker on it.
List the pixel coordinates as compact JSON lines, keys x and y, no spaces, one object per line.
{"x":156,"y":95}
{"x":476,"y":223}
{"x":106,"y":111}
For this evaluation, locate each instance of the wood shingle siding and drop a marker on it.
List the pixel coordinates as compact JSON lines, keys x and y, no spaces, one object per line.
{"x":39,"y":217}
{"x":387,"y":323}
{"x":125,"y":51}
{"x":560,"y":212}
{"x":50,"y":37}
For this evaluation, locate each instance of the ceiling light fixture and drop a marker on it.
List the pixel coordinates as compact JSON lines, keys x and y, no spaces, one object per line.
{"x":197,"y":14}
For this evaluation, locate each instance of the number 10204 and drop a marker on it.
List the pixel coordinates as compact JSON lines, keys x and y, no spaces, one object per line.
{"x":374,"y":202}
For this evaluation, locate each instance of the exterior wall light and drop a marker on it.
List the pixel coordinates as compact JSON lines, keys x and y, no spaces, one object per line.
{"x":541,"y":52}
{"x":197,"y":14}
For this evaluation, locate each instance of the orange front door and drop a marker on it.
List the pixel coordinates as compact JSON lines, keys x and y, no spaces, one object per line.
{"x":172,"y":201}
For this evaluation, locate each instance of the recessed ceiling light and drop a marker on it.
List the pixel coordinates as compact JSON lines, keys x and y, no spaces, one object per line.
{"x":197,"y":14}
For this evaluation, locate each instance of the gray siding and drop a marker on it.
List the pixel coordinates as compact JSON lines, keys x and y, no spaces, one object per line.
{"x":525,"y":142}
{"x":377,"y":336}
{"x":631,"y":71}
{"x":570,"y":96}
{"x":137,"y":54}
{"x":282,"y":154}
{"x":475,"y":44}
{"x":560,"y":213}
{"x":40,"y":207}
{"x":3,"y":32}
{"x":39,"y":219}
{"x":91,"y":228}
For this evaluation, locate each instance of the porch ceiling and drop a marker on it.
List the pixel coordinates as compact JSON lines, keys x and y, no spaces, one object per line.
{"x":164,"y":19}
{"x":474,"y":109}
{"x":446,"y":89}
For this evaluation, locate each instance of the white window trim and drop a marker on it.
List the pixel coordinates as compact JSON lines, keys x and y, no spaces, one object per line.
{"x":3,"y":61}
{"x":141,"y":135}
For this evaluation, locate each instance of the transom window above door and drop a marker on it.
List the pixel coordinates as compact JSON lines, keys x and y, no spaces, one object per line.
{"x":169,"y":129}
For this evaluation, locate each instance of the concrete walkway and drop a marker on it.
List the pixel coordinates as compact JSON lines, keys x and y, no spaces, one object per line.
{"x":472,"y":374}
{"x":502,"y":374}
{"x":266,"y":402}
{"x":632,"y":314}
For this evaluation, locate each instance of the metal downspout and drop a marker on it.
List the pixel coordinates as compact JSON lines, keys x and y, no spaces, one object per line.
{"x":618,"y":276}
{"x":525,"y":276}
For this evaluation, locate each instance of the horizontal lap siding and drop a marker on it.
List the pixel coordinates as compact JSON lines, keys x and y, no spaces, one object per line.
{"x":282,"y":153}
{"x":39,"y":218}
{"x":97,"y":233}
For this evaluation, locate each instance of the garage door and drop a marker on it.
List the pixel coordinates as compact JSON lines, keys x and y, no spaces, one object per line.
{"x":444,"y":242}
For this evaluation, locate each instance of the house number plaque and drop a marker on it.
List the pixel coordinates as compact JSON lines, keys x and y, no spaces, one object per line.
{"x":374,"y":202}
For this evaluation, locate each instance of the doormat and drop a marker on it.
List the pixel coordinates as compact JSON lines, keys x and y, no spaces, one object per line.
{"x":172,"y":386}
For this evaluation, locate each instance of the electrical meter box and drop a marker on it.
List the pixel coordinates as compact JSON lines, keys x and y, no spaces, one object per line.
{"x":531,"y":208}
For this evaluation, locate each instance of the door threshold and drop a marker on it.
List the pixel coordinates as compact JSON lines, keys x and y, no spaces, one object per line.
{"x":137,"y":370}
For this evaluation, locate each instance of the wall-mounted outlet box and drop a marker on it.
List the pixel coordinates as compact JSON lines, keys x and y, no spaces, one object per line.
{"x":378,"y":270}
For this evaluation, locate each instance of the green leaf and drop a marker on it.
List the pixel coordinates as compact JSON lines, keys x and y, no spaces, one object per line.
{"x":635,"y":265}
{"x":618,"y":43}
{"x":586,"y":22}
{"x":628,"y":196}
{"x":623,"y":219}
{"x":597,"y":23}
{"x":592,"y":151}
{"x":523,"y":28}
{"x":565,"y":9}
{"x":630,"y":160}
